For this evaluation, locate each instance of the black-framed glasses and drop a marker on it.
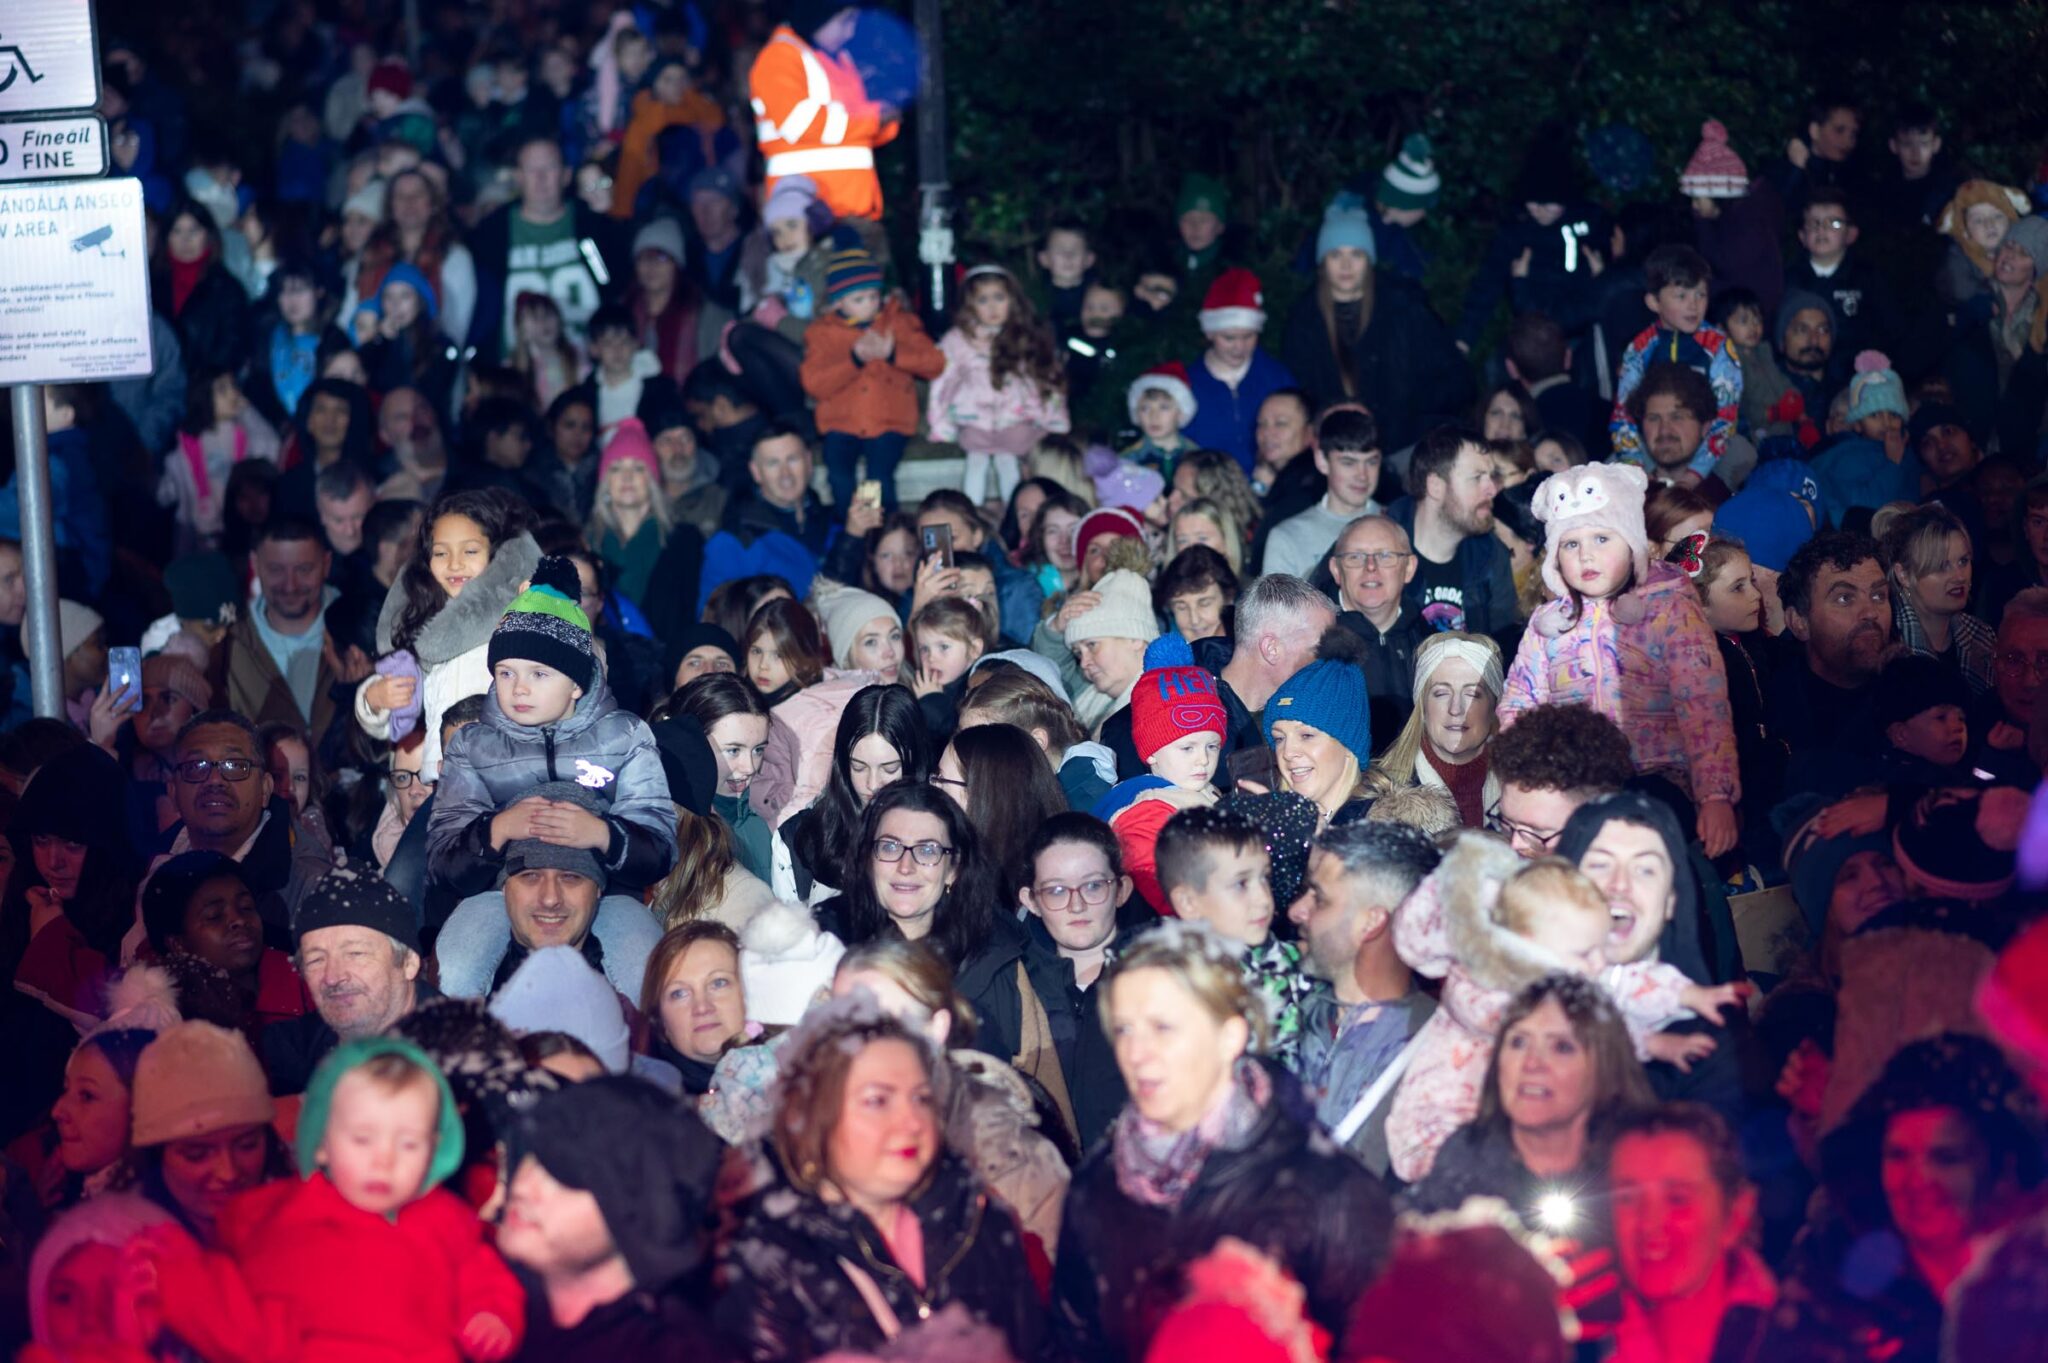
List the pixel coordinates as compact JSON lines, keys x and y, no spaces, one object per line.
{"x":939,"y":780}
{"x":1522,"y":834}
{"x":890,"y":852}
{"x":1094,"y":893}
{"x":402,"y":779}
{"x":198,"y":769}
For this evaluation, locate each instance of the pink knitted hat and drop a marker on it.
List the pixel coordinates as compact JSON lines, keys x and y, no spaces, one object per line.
{"x":1715,"y":171}
{"x":629,"y":441}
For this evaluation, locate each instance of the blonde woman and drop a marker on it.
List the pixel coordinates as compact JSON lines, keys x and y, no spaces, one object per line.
{"x":1320,"y":730}
{"x":1458,"y":680}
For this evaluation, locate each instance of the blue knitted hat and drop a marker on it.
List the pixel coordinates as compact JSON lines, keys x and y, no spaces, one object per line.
{"x":1329,"y":696}
{"x":1345,"y":224}
{"x":1771,"y":525}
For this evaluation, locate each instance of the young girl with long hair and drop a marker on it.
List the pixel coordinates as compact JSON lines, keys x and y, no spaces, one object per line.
{"x":1003,"y":389}
{"x":221,"y":429}
{"x":475,"y":551}
{"x":782,"y":651}
{"x":551,"y":362}
{"x":881,"y":739}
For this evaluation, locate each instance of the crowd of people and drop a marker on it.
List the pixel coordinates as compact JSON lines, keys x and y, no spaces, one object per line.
{"x":626,"y":791}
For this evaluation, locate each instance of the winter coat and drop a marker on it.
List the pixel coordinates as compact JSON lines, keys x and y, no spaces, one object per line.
{"x":494,"y":763}
{"x":213,"y":326}
{"x":966,"y":406}
{"x":1706,"y":350}
{"x":639,"y":157}
{"x":473,"y":942}
{"x":1226,"y":417}
{"x":1647,"y":660}
{"x":756,"y":536}
{"x":1866,"y":318}
{"x":640,"y":1326}
{"x":195,"y":477}
{"x":257,"y":690}
{"x":1289,"y":1192}
{"x":1404,"y":366}
{"x":805,"y":1276}
{"x":867,"y":398}
{"x":1741,"y":243}
{"x":453,"y":647}
{"x":1560,"y":282}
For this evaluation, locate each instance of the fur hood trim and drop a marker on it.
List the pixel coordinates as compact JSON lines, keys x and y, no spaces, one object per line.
{"x":467,"y":621}
{"x":1469,"y":881}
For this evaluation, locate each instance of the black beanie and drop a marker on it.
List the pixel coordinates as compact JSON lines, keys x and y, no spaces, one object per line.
{"x":545,"y":625}
{"x":647,"y":1160}
{"x":687,"y":760}
{"x":348,"y":898}
{"x":1913,"y":684}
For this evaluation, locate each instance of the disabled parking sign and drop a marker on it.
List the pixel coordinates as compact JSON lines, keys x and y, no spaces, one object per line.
{"x":49,"y":56}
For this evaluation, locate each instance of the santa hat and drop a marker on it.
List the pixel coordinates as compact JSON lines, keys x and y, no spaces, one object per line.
{"x":1715,"y":171}
{"x":1173,"y":699}
{"x":393,"y":77}
{"x":1607,"y":496}
{"x":1171,"y":379}
{"x":1235,"y":302}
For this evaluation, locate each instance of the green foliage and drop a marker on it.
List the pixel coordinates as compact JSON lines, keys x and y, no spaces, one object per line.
{"x":1097,"y":107}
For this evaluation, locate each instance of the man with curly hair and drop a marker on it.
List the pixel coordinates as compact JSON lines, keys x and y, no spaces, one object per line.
{"x":1554,"y":759}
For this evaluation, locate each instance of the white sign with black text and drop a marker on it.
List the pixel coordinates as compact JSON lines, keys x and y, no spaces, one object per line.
{"x":49,"y":60}
{"x":59,"y":147}
{"x":74,"y":291}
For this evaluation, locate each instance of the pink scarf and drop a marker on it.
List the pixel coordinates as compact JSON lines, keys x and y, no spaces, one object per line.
{"x":195,"y":455}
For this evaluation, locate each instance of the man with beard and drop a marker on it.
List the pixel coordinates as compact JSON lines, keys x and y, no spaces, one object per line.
{"x":1838,"y":605}
{"x":281,"y":664}
{"x":1672,"y":407}
{"x":409,"y":429}
{"x":1806,"y":350}
{"x":1464,"y":578}
{"x":1365,"y":1007}
{"x":359,"y":954}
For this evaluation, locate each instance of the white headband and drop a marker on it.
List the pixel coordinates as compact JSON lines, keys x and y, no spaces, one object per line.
{"x":1482,"y":655}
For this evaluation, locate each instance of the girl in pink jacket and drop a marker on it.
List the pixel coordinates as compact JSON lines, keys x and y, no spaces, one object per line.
{"x":1628,"y":638}
{"x":1004,"y":389}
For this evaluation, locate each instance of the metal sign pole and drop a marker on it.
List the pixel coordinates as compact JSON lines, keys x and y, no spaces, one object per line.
{"x":38,"y":551}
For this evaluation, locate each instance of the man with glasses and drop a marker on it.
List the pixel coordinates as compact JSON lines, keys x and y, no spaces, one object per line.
{"x":1372,"y":564}
{"x":2003,"y":721}
{"x":1555,"y":758}
{"x":1034,"y":990}
{"x":227,"y":803}
{"x":1347,"y":453}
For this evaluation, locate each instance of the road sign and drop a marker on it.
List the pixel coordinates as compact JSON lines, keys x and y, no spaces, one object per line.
{"x":49,"y":56}
{"x":74,"y":296}
{"x":60,"y":146}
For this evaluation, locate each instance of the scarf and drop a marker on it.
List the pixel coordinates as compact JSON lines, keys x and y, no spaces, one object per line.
{"x":1156,"y":1167}
{"x":185,"y":277}
{"x":1466,"y":783}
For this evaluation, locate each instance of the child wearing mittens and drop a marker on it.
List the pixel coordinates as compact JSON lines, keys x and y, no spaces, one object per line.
{"x":1629,"y":638}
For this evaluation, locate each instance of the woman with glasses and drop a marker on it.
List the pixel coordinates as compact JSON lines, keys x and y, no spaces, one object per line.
{"x":1210,"y":1145}
{"x":1458,"y":679}
{"x":916,"y":871}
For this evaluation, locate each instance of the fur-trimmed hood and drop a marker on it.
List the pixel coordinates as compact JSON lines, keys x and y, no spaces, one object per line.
{"x":467,"y":621}
{"x":1469,"y":881}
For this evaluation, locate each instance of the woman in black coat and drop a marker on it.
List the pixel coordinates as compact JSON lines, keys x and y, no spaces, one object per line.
{"x":1214,"y":1142}
{"x":1375,"y":341}
{"x":862,"y":1223}
{"x":193,"y":288}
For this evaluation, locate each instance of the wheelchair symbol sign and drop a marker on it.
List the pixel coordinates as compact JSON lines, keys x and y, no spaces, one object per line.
{"x":17,"y":66}
{"x":49,"y":56}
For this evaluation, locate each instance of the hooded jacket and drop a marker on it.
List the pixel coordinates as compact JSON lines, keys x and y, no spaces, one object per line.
{"x":1288,"y":1190}
{"x":303,"y":1276}
{"x":453,"y":647}
{"x":494,"y":763}
{"x":1647,"y":660}
{"x":867,"y":398}
{"x":805,"y":1277}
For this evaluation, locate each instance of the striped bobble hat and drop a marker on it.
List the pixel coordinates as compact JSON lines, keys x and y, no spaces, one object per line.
{"x":1410,"y":179}
{"x":545,"y":625}
{"x":850,"y":271}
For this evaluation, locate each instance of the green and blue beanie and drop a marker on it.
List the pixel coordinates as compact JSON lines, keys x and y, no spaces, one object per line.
{"x":545,"y":625}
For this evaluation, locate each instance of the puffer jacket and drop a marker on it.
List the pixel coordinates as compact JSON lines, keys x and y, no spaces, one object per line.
{"x":805,"y":1277}
{"x":492,"y":764}
{"x":1288,"y":1190}
{"x":868,"y":398}
{"x":1648,"y":661}
{"x":966,"y":406}
{"x":799,"y":758}
{"x":453,"y":648}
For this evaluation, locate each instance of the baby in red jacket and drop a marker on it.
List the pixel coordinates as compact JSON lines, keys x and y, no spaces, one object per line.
{"x":365,"y":1258}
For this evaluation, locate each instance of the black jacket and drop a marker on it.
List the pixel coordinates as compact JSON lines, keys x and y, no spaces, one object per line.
{"x":639,"y":1326}
{"x":490,"y":245}
{"x":1389,"y":669}
{"x":1865,"y":318}
{"x":1289,"y":1191}
{"x":213,"y":326}
{"x":988,"y":980}
{"x":1404,"y":366}
{"x":789,"y":1296}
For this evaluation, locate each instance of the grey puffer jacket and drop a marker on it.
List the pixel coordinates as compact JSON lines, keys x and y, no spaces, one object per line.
{"x":495,"y":763}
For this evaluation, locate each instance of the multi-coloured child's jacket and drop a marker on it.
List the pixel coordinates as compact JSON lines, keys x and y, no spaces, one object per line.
{"x":1706,"y":350}
{"x":966,"y":404}
{"x":1647,"y":660}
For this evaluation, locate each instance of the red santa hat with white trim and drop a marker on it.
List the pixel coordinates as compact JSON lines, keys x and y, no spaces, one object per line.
{"x":1171,"y":379}
{"x":1235,"y":302}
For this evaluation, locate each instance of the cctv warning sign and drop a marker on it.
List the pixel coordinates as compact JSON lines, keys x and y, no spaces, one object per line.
{"x":74,"y":291}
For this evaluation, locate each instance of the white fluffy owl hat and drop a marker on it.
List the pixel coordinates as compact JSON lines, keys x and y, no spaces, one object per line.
{"x":1593,"y":496}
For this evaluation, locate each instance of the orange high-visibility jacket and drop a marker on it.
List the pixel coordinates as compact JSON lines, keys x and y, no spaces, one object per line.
{"x":813,"y":117}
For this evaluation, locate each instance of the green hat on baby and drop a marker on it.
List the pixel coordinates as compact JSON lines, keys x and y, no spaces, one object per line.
{"x":545,"y":625}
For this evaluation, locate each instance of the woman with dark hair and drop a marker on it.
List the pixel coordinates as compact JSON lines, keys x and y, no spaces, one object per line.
{"x":1508,"y":414}
{"x":1048,"y":551}
{"x":671,"y":317}
{"x":476,"y":549}
{"x":417,"y":231}
{"x":881,"y":739}
{"x":735,"y":721}
{"x":1197,"y":591}
{"x":916,"y":870}
{"x":565,"y":468}
{"x":998,"y":775}
{"x":72,"y":894}
{"x":333,"y":423}
{"x":193,"y":288}
{"x":889,"y":557}
{"x":202,"y":923}
{"x":294,"y":322}
{"x":202,"y":1116}
{"x":782,"y":651}
{"x":1937,"y":1156}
